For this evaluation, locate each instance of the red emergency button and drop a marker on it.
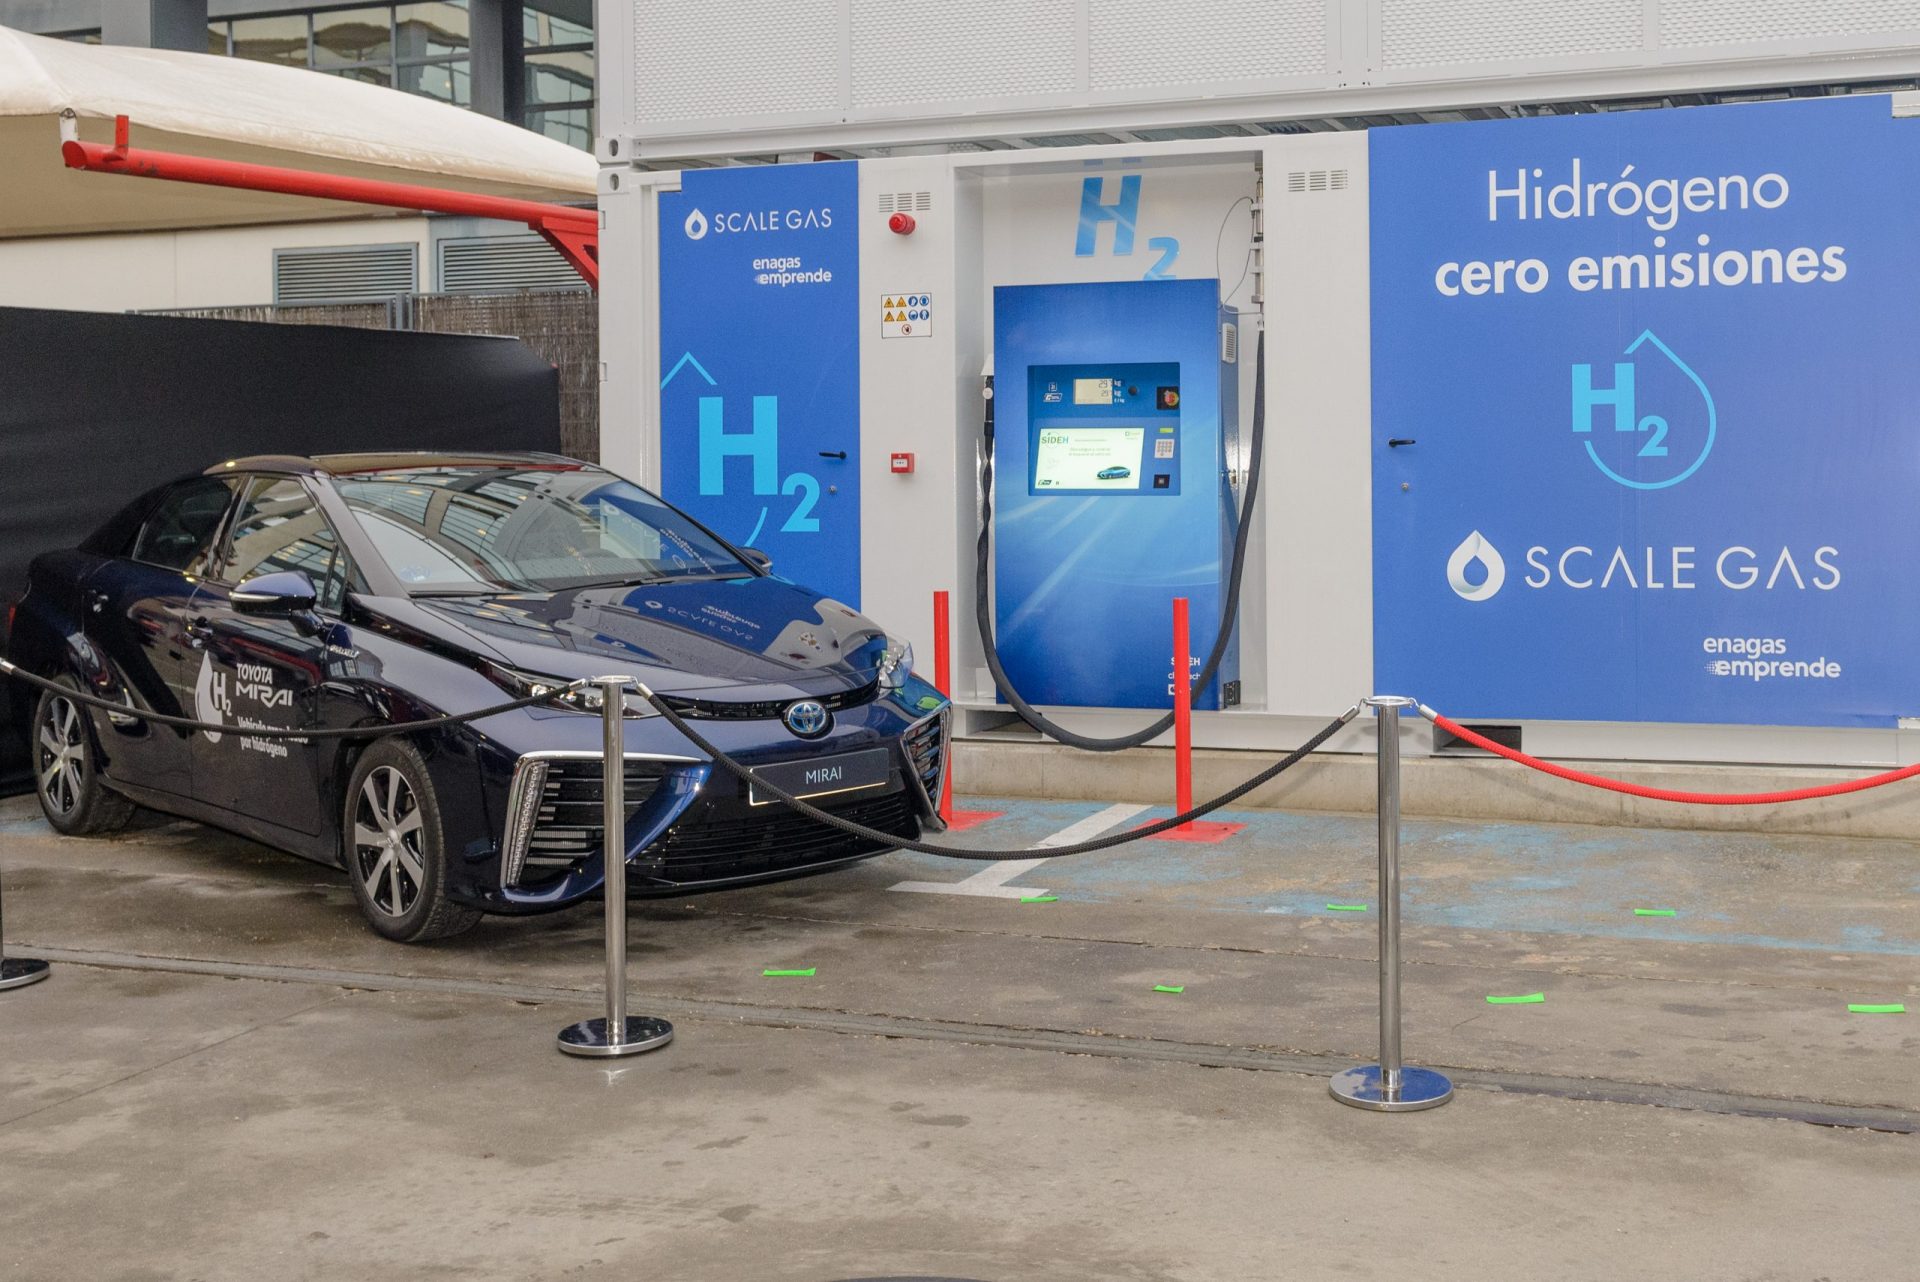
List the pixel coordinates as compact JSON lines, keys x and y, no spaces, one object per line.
{"x":900,"y":464}
{"x":901,"y":224}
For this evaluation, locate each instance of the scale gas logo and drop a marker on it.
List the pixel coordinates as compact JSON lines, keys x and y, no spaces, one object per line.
{"x":736,"y":221}
{"x":1646,"y":451}
{"x":696,"y":225}
{"x":1475,"y":550}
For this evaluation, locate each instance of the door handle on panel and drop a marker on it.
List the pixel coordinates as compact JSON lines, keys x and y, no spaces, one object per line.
{"x":839,"y":454}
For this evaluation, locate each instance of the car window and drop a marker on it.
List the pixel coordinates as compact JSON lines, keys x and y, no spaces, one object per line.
{"x":178,"y":533}
{"x":478,"y":527}
{"x":278,"y":526}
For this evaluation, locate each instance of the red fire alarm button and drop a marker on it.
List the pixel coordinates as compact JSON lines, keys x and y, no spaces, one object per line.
{"x":900,"y":464}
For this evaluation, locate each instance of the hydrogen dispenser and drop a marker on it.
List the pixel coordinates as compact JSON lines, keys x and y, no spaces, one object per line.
{"x":1117,"y":427}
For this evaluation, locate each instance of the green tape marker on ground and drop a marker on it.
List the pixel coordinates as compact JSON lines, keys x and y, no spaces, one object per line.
{"x":1654,"y":912}
{"x":1169,"y":988}
{"x":1524,"y":1000}
{"x":1346,"y":908}
{"x":1038,"y":899}
{"x":1895,"y":1009}
{"x":790,"y":974}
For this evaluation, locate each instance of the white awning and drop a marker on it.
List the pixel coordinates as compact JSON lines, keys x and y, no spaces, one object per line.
{"x":232,"y":109}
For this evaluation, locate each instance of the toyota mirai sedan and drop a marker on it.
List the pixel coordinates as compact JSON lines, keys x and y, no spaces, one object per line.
{"x":372,"y":589}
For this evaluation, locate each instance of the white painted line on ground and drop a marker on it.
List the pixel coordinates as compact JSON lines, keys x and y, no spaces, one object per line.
{"x":992,"y":880}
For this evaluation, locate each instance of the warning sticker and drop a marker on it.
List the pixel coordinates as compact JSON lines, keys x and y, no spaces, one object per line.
{"x":906,"y":314}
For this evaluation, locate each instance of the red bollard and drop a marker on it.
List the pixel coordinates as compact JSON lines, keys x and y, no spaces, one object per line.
{"x":1182,"y":715}
{"x":1193,"y":829}
{"x":956,"y":820}
{"x":943,"y":681}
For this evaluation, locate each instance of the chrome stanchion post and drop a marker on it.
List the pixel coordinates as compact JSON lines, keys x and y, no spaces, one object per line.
{"x":619,"y":1033}
{"x":1390,"y":1086}
{"x":18,"y":972}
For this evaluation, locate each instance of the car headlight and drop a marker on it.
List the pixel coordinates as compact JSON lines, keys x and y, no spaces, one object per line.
{"x":896,"y":664}
{"x":586,"y":699}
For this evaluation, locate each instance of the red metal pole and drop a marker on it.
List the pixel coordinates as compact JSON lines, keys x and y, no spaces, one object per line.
{"x":573,"y":232}
{"x":1182,"y":715}
{"x":943,"y":681}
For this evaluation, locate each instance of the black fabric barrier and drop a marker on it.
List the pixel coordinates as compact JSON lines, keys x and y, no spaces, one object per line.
{"x":96,"y":408}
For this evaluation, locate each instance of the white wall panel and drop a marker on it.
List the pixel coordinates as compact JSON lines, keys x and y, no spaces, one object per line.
{"x":903,"y":50}
{"x":1441,"y":33}
{"x":1231,"y":40}
{"x":1686,"y":23}
{"x":697,"y":60}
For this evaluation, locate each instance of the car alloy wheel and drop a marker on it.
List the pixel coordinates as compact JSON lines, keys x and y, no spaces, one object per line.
{"x":61,"y":756}
{"x":386,"y":842}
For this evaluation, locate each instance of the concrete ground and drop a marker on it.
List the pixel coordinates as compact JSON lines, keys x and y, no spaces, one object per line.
{"x":228,"y":1076}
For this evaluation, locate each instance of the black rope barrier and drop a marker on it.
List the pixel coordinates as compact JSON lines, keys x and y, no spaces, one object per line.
{"x":269,"y":732}
{"x":743,"y":773}
{"x":746,"y":775}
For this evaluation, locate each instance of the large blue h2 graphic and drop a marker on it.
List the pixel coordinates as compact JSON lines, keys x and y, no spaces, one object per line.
{"x":762,"y":445}
{"x":1123,"y":211}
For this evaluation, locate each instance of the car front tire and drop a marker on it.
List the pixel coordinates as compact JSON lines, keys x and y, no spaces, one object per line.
{"x":395,"y":851}
{"x":66,"y":770}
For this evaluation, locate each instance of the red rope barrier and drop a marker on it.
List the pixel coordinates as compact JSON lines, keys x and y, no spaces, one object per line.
{"x":1667,"y":794}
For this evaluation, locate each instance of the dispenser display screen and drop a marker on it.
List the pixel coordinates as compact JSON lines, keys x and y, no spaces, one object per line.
{"x":1077,"y":457}
{"x":1093,"y":391}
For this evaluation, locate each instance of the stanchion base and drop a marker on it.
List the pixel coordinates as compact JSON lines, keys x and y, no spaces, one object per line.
{"x":18,"y":972}
{"x":1419,"y":1088}
{"x":589,"y":1037}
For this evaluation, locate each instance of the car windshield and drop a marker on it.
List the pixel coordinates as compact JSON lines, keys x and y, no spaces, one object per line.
{"x":526,"y":527}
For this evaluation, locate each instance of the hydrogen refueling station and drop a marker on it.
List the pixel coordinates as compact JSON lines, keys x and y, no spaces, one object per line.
{"x":1126,"y":600}
{"x":1580,"y":424}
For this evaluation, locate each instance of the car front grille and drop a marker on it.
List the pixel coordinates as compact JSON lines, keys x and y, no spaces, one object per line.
{"x":767,"y":709}
{"x":926,"y":748}
{"x":567,"y":828}
{"x":775,"y":839}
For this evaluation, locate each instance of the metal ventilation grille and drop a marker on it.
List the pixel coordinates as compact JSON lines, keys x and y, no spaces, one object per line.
{"x":344,"y":274}
{"x":903,"y":201}
{"x":493,"y":264}
{"x":1305,"y":180}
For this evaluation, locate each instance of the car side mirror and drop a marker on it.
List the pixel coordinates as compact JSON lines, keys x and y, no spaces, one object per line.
{"x":279,"y":595}
{"x":757,"y":559}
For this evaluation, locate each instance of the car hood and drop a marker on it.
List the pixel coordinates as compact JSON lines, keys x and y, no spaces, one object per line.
{"x":676,"y":637}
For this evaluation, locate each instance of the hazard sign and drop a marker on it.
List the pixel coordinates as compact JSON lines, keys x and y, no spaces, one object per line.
{"x":906,"y":314}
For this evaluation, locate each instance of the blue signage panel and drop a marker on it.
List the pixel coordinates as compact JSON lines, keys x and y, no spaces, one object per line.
{"x":760,"y":364}
{"x":1662,"y":397}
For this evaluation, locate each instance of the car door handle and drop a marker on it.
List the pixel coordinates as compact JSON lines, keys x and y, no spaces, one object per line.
{"x":199,"y":632}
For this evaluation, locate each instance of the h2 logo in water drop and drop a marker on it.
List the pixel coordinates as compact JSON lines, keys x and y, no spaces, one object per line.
{"x":1645,"y":451}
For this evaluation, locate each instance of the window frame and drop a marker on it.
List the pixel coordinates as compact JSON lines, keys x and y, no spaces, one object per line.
{"x":205,"y":555}
{"x":342,"y":569}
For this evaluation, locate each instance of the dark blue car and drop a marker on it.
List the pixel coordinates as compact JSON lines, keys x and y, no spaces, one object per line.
{"x":358,"y":590}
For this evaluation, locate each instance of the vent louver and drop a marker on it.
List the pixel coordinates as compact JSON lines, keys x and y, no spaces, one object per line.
{"x":344,"y":274}
{"x":494,"y":264}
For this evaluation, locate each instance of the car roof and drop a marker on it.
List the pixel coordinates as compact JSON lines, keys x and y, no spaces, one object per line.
{"x":338,"y":464}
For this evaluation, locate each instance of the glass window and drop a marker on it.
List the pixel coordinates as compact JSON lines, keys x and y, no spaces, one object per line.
{"x":343,"y":37}
{"x":448,"y":81}
{"x":430,"y":30}
{"x":217,"y":38}
{"x":179,"y":532}
{"x":513,"y":528}
{"x":559,"y":77}
{"x":279,"y":527}
{"x":281,"y":39}
{"x":547,"y":23}
{"x":381,"y":76}
{"x":573,"y":126}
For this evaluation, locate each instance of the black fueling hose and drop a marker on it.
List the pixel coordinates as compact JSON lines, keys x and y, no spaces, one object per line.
{"x":1229,"y":609}
{"x":746,"y":775}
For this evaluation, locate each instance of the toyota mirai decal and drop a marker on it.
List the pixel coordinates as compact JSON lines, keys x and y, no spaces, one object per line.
{"x":360,"y":590}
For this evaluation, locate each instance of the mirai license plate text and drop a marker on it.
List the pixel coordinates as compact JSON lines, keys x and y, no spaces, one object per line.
{"x":823,"y":776}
